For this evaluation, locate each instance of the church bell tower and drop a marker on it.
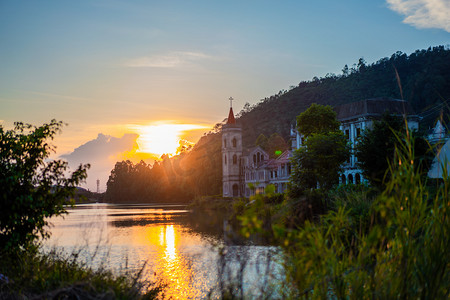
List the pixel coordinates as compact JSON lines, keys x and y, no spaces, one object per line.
{"x":231,"y":156}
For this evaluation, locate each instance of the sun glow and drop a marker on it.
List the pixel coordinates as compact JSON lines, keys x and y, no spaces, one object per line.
{"x":162,"y":138}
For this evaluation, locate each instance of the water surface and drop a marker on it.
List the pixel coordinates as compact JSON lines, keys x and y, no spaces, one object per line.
{"x":172,"y":245}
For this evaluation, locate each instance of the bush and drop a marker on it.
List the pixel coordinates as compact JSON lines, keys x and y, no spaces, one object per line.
{"x":32,"y":187}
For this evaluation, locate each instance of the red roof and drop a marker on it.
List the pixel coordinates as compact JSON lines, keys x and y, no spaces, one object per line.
{"x":231,"y":119}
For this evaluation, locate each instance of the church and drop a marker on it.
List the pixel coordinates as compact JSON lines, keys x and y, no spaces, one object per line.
{"x":248,"y":171}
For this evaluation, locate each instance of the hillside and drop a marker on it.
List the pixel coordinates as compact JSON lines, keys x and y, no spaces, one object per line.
{"x":425,"y":82}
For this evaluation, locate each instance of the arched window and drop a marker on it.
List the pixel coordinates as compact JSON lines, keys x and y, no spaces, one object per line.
{"x":254,"y":158}
{"x":225,"y":158}
{"x":258,"y":157}
{"x":234,"y":143}
{"x":235,"y":159}
{"x":224,"y":143}
{"x":357,"y":178}
{"x":343,"y":181}
{"x":350,"y":178}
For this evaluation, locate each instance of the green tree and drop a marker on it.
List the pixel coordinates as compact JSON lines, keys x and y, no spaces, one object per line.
{"x":262,"y":141}
{"x":318,"y":163}
{"x":375,"y":150}
{"x":317,"y":119}
{"x":32,"y":187}
{"x":276,"y":145}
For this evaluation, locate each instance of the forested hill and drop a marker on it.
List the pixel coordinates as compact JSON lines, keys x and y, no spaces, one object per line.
{"x":425,"y":82}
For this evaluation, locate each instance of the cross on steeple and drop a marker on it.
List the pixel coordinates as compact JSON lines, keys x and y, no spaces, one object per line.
{"x":231,"y":119}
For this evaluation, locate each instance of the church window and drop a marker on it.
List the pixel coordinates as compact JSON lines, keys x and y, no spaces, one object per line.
{"x":358,"y":178}
{"x":235,"y":159}
{"x":258,"y":157}
{"x":254,"y":158}
{"x":235,"y":190}
{"x":234,"y":143}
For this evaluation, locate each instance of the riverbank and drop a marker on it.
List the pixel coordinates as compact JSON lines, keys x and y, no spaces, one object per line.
{"x":216,"y":202}
{"x":34,"y":275}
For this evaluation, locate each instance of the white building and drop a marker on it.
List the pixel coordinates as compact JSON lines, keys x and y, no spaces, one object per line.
{"x":355,"y":117}
{"x":437,"y":134}
{"x":440,"y":140}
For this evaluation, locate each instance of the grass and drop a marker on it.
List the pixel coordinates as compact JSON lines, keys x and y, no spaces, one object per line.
{"x":34,"y":275}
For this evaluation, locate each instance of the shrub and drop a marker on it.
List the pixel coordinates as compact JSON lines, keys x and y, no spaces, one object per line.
{"x":32,"y":187}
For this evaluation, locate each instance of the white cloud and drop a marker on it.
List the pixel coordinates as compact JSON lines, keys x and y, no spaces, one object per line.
{"x":102,"y":153}
{"x":423,"y":13}
{"x":171,"y":60}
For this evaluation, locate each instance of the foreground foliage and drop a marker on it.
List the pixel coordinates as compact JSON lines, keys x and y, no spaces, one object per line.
{"x":27,"y":275}
{"x":386,"y":246}
{"x":32,"y":187}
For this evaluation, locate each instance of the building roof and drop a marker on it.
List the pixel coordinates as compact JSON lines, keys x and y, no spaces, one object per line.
{"x":252,"y":150}
{"x":373,"y":108}
{"x":231,"y":119}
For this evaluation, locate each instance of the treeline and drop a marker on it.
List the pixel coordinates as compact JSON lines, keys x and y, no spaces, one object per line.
{"x":173,"y":179}
{"x":423,"y":80}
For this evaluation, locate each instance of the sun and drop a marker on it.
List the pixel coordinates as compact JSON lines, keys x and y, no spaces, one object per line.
{"x":162,"y":138}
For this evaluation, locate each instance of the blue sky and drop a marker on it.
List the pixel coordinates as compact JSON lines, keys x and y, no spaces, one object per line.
{"x":103,"y":65}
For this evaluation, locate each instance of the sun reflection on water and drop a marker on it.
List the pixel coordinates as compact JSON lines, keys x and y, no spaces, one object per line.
{"x":174,"y":269}
{"x":169,"y":243}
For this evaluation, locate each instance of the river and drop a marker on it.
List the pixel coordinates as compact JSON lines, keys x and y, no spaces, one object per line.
{"x":187,"y":252}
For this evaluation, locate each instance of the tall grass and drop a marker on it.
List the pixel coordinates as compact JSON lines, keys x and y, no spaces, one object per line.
{"x":394,"y":245}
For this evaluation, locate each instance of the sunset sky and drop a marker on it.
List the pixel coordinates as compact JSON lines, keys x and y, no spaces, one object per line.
{"x":109,"y":68}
